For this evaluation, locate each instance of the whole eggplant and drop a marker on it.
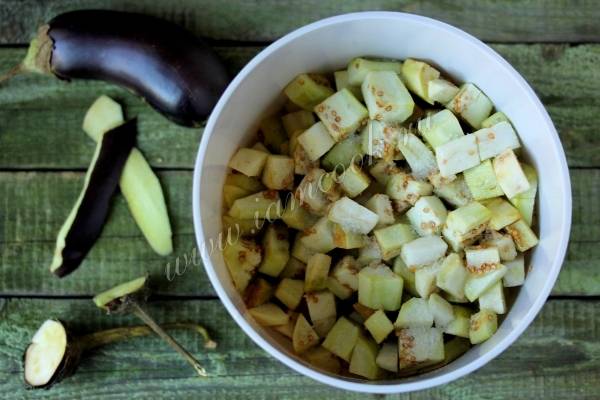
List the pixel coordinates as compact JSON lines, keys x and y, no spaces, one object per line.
{"x":170,"y":68}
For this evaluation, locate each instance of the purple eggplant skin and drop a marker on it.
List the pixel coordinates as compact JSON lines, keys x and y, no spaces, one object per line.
{"x":170,"y":68}
{"x":92,"y":211}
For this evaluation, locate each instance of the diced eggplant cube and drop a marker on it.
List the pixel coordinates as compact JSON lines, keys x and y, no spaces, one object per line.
{"x":481,"y":259}
{"x":383,"y":170}
{"x":441,"y":90}
{"x":478,"y":283}
{"x":457,"y":155}
{"x":269,"y":315}
{"x":483,"y":325}
{"x":358,"y":68}
{"x":404,"y":187}
{"x":302,"y":164}
{"x":300,"y":251}
{"x":342,"y":81}
{"x":354,"y":181}
{"x":232,"y":193}
{"x":503,"y":242}
{"x":304,"y":336}
{"x":503,"y":213}
{"x":381,"y":205}
{"x":316,"y":141}
{"x":452,"y":276}
{"x":468,"y":221}
{"x":419,"y":157}
{"x":380,"y":140}
{"x":418,"y":345}
{"x":391,"y":239}
{"x":425,"y":279}
{"x":257,"y":293}
{"x":482,"y":181}
{"x":440,"y":128}
{"x":345,"y":239}
{"x":346,"y":272}
{"x":461,"y":323}
{"x":515,"y":272}
{"x":242,"y":257}
{"x":311,"y":192}
{"x":287,"y":329}
{"x":323,"y":359}
{"x":379,"y":287}
{"x":296,"y":216}
{"x":297,"y":121}
{"x":510,"y":175}
{"x":343,"y":154}
{"x":407,"y":275}
{"x":522,"y":234}
{"x":290,"y":292}
{"x":417,"y":75}
{"x":294,"y":269}
{"x":494,"y":119}
{"x":342,"y":338}
{"x":525,"y":201}
{"x":379,"y":326}
{"x":414,"y":313}
{"x":249,"y":162}
{"x":249,"y":184}
{"x":363,"y":359}
{"x":273,"y":134}
{"x":442,"y":311}
{"x":305,"y":92}
{"x":338,"y":289}
{"x":260,"y":147}
{"x":276,"y":248}
{"x":261,"y":205}
{"x":352,"y":216}
{"x":278,"y":173}
{"x":493,"y":141}
{"x":493,"y":299}
{"x":386,"y":97}
{"x":427,"y":216}
{"x":320,"y":237}
{"x":317,"y":270}
{"x":369,"y":253}
{"x":387,"y":358}
{"x":456,"y":192}
{"x":471,"y":105}
{"x":342,"y":114}
{"x":423,"y":251}
{"x":321,"y":306}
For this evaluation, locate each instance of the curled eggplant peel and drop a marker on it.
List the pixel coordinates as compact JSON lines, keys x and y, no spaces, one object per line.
{"x":175,"y":72}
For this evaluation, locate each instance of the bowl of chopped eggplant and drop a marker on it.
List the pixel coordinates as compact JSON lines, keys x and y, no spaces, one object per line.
{"x":381,"y":202}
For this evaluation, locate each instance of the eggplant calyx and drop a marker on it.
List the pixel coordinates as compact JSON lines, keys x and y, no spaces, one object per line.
{"x":38,"y":57}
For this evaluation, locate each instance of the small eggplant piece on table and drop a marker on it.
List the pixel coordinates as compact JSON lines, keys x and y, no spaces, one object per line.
{"x":139,"y":184}
{"x":175,"y":72}
{"x":128,"y":298}
{"x":84,"y":224}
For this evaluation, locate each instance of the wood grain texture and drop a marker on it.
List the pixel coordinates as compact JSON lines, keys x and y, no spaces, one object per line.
{"x":258,"y":20}
{"x":556,"y":358}
{"x":36,"y":203}
{"x":40,"y":114}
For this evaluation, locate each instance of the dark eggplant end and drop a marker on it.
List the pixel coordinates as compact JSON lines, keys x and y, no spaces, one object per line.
{"x":51,"y":356}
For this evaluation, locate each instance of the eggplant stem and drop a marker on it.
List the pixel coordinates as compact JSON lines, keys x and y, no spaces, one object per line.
{"x":101,"y":338}
{"x":14,"y":71}
{"x":139,"y":311}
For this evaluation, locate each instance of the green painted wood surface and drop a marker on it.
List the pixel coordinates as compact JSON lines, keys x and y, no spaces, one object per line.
{"x":48,"y":113}
{"x":36,"y":203}
{"x":258,"y":20}
{"x":555,"y":359}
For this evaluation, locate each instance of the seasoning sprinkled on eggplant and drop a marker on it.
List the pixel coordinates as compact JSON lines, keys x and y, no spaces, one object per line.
{"x":54,"y":353}
{"x":84,"y":224}
{"x":128,"y":297}
{"x":175,"y":72}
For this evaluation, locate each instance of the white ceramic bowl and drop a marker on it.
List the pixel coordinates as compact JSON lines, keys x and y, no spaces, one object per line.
{"x":328,"y":45}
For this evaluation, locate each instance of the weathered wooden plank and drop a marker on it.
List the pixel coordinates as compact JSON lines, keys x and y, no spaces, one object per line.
{"x":35,"y":205}
{"x":516,"y":21}
{"x":39,"y":114}
{"x":556,"y":358}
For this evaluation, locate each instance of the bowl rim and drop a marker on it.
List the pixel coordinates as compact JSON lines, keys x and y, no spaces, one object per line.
{"x":400,"y":387}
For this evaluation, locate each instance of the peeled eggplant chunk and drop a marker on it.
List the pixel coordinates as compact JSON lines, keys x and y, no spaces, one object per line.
{"x":54,"y":353}
{"x":163,"y":63}
{"x":84,"y":224}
